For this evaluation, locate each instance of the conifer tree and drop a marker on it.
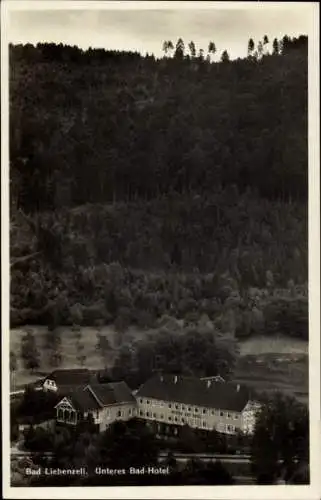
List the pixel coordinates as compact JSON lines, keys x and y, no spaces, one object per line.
{"x":192,"y":48}
{"x":275,"y":46}
{"x":179,"y":49}
{"x":225,"y":56}
{"x":250,"y":47}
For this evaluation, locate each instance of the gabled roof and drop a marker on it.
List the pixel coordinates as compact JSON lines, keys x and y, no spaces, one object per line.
{"x":84,"y":401}
{"x":81,"y":399}
{"x":96,"y":396}
{"x":67,"y":377}
{"x":194,"y":391}
{"x":122,"y":392}
{"x":113,"y":393}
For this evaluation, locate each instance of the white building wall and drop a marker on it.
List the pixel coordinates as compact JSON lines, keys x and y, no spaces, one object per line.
{"x":104,"y":416}
{"x":50,"y":385}
{"x":109,"y":414}
{"x":195,"y":416}
{"x":249,"y":416}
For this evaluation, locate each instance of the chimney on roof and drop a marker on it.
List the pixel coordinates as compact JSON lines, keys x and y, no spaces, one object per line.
{"x":238,"y":388}
{"x":209,"y":383}
{"x":175,"y":379}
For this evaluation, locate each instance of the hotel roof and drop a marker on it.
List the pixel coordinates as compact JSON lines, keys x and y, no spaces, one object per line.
{"x":197,"y":392}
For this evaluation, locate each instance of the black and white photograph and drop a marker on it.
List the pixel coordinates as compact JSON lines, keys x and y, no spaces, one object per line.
{"x":160,"y":179}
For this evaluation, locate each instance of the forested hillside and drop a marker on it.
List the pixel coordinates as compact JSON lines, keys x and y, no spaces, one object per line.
{"x":149,"y":187}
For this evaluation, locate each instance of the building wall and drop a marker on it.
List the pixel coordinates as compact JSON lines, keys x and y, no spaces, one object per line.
{"x":102,"y":417}
{"x":249,"y":416}
{"x":194,"y":416}
{"x":109,"y":414}
{"x":50,"y":385}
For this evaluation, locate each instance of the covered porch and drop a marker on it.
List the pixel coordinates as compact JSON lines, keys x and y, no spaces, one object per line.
{"x":66,"y":413}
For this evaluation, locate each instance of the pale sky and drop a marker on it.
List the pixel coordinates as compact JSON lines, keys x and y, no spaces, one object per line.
{"x":145,"y":30}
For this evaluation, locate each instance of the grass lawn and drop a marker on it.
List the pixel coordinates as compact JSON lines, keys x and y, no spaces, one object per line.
{"x":274,"y":345}
{"x":278,"y":363}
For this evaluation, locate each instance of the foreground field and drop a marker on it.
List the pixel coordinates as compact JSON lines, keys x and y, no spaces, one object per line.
{"x":264,"y":363}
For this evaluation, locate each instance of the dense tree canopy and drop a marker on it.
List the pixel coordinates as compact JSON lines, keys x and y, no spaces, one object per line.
{"x":199,"y":352}
{"x":146,"y":126}
{"x":190,"y":174}
{"x":282,"y":431}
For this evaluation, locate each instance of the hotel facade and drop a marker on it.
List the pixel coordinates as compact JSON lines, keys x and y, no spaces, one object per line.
{"x":170,"y":400}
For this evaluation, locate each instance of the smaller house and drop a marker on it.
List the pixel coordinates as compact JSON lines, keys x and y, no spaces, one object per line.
{"x":106,"y":403}
{"x":61,"y":379}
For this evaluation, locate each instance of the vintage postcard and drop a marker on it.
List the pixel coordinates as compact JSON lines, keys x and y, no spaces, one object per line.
{"x":160,"y":250}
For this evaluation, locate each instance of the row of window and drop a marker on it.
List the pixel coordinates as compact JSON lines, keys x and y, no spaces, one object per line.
{"x":131,"y":412}
{"x":226,"y":428}
{"x":120,"y":413}
{"x":203,"y":411}
{"x":70,"y":416}
{"x":183,"y":421}
{"x":50,"y":382}
{"x":66,"y":415}
{"x":194,"y":423}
